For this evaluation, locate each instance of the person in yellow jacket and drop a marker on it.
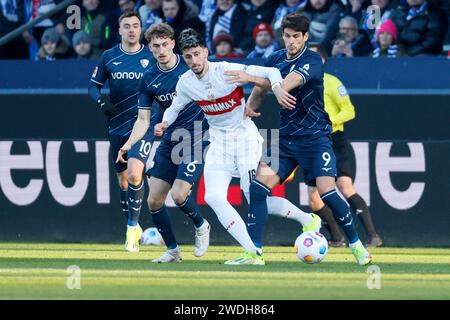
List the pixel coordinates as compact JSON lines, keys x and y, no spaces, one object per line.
{"x":340,"y":110}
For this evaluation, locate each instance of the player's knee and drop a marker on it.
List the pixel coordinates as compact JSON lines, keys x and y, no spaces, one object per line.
{"x":123,"y":183}
{"x":267,"y":176}
{"x":134,"y":177}
{"x":179,"y":197}
{"x":155,"y":202}
{"x":315,"y":203}
{"x":346,"y":188}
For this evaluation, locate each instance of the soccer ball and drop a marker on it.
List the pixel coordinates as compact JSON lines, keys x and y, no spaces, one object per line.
{"x":311,"y":247}
{"x":151,"y":236}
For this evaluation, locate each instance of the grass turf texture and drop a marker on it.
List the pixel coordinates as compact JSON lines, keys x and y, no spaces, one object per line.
{"x":39,"y":271}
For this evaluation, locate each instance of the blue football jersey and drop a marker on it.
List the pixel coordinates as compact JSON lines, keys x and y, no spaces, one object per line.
{"x":158,"y":86}
{"x":309,"y":117}
{"x":123,"y":71}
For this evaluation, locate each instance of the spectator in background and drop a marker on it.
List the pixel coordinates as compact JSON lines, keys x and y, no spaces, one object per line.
{"x":386,"y":40}
{"x":127,"y":5}
{"x":53,"y":46}
{"x":444,"y":6}
{"x":366,"y":22}
{"x":82,"y":45}
{"x":180,"y":15}
{"x":324,"y":18}
{"x":151,"y":12}
{"x":257,"y":11}
{"x":207,"y":8}
{"x":421,"y":29}
{"x":354,"y":8}
{"x":265,"y":43}
{"x":35,"y":9}
{"x":99,"y":25}
{"x":12,"y":15}
{"x":350,"y":42}
{"x":284,"y":9}
{"x":224,"y":47}
{"x":229,"y":17}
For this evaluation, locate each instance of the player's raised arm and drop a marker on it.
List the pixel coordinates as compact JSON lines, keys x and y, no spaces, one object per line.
{"x":268,"y":78}
{"x":264,"y":77}
{"x":180,"y":100}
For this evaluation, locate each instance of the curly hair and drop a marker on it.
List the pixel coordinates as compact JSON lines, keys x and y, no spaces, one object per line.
{"x":189,"y":38}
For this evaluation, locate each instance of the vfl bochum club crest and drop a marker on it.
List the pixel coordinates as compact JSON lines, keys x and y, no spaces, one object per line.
{"x":144,"y":63}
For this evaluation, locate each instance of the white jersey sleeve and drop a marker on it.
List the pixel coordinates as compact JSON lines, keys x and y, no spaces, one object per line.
{"x":272,"y":74}
{"x":180,"y":100}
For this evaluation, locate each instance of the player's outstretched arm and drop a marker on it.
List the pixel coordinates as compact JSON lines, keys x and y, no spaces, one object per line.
{"x":292,"y":81}
{"x":261,"y":76}
{"x":241,"y":77}
{"x":264,"y":77}
{"x":140,"y":127}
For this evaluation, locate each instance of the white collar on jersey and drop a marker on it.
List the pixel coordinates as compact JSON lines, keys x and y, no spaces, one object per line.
{"x":298,"y":54}
{"x":168,"y":70}
{"x":131,"y":53}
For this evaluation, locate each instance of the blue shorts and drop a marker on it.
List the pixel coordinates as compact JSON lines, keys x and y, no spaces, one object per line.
{"x":314,"y":155}
{"x":140,"y":150}
{"x":186,"y":167}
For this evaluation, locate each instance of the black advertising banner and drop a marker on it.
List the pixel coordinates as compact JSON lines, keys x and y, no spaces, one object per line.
{"x":57,"y":182}
{"x":66,"y":190}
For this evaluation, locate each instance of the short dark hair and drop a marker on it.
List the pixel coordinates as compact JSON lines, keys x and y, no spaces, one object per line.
{"x":129,"y":14}
{"x":320,"y":50}
{"x":159,"y":30}
{"x":296,"y":22}
{"x":179,"y":2}
{"x":189,"y":38}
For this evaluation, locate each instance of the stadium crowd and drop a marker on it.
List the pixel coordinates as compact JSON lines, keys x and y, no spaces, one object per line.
{"x":235,"y":28}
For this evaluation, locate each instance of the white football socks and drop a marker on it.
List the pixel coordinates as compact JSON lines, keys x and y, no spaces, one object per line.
{"x":233,"y":223}
{"x":216,"y":197}
{"x":284,"y":208}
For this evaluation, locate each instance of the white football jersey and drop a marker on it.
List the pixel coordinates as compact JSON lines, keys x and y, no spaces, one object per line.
{"x":223,"y":104}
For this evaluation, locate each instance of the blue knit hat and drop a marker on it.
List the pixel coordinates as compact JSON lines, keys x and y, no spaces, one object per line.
{"x":80,"y":36}
{"x":50,"y":35}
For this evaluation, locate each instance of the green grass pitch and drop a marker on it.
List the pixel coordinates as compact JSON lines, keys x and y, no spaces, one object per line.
{"x":39,"y":271}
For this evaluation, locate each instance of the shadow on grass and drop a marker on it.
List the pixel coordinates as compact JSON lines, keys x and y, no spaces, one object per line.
{"x":188,"y":265}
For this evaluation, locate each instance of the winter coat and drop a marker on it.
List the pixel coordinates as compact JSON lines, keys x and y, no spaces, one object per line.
{"x":324,"y":23}
{"x":423,"y":34}
{"x":265,"y":13}
{"x":238,"y":20}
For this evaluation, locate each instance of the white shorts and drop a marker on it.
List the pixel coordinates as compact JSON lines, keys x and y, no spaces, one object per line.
{"x":236,"y":152}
